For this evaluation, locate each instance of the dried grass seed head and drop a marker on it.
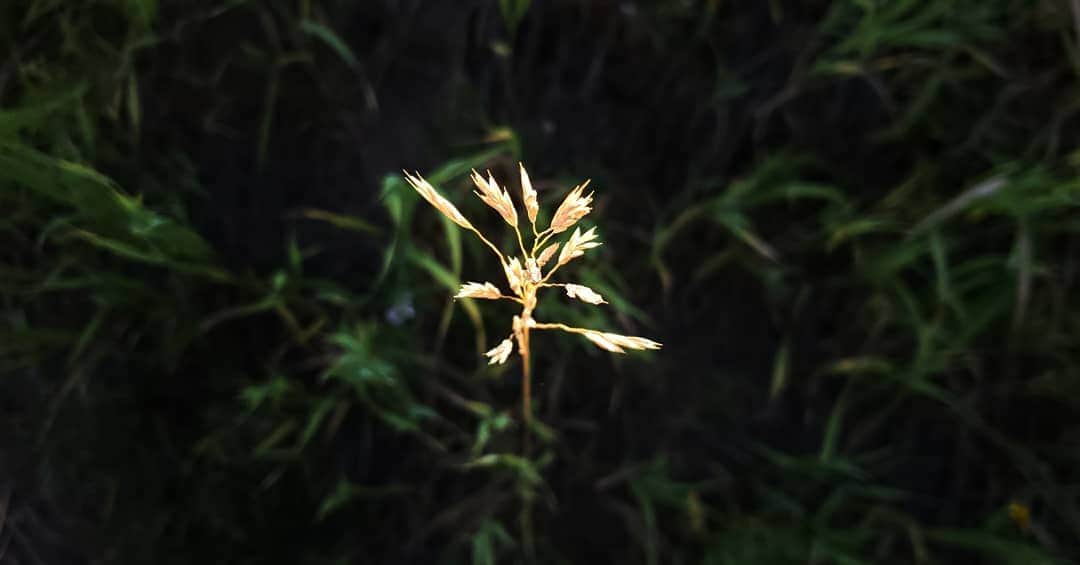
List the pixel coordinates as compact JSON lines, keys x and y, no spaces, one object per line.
{"x":479,"y":290}
{"x":528,"y":195}
{"x":577,"y":244}
{"x":433,"y":197}
{"x":584,"y":294}
{"x":497,"y":198}
{"x":573,"y":208}
{"x":515,"y":275}
{"x":500,"y":353}
{"x":533,"y":270}
{"x":547,"y":254}
{"x":525,"y":275}
{"x":616,"y":342}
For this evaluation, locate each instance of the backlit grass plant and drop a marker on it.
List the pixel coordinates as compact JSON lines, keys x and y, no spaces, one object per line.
{"x":525,"y":275}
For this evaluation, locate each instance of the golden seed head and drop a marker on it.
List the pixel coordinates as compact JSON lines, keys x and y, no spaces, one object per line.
{"x":602,"y":342}
{"x":577,"y":244}
{"x":528,"y":195}
{"x":546,"y":254}
{"x":533,"y":270}
{"x":584,"y":294}
{"x":515,"y":275}
{"x":525,"y":275}
{"x":495,"y":197}
{"x":572,"y":209}
{"x":441,"y":204}
{"x":615,"y":342}
{"x":478,"y":290}
{"x":500,"y":353}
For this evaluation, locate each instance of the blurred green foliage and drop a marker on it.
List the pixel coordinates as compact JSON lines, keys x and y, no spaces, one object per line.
{"x":862,"y":227}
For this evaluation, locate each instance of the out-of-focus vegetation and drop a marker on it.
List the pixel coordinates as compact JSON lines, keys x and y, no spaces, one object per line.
{"x":226,"y":337}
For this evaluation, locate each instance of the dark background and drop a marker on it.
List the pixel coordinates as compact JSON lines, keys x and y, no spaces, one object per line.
{"x":226,"y":326}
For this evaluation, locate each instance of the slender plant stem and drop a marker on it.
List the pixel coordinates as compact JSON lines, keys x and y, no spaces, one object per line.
{"x":526,"y":417}
{"x":521,"y":244}
{"x":563,"y":327}
{"x":541,"y":239}
{"x":502,"y":259}
{"x":526,"y":391}
{"x":554,"y":268}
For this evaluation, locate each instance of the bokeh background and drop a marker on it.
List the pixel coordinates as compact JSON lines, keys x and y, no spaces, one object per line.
{"x":226,"y":325}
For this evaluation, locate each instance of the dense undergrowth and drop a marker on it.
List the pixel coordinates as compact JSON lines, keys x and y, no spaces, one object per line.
{"x":226,"y":337}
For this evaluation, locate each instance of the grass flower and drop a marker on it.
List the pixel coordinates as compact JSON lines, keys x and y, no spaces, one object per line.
{"x":478,"y":290}
{"x":573,"y":208}
{"x":525,"y":275}
{"x":584,"y":294}
{"x":500,"y":352}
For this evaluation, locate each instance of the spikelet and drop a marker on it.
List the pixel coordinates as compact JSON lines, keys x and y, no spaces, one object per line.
{"x":533,"y":270}
{"x":602,"y":342}
{"x":528,"y":195}
{"x":515,"y":275}
{"x":500,"y":353}
{"x":572,"y":209}
{"x":495,"y":197}
{"x":478,"y":290}
{"x":632,"y":341}
{"x":615,"y":342}
{"x":546,"y":254}
{"x":577,"y":244}
{"x":584,"y":294}
{"x":435,"y":199}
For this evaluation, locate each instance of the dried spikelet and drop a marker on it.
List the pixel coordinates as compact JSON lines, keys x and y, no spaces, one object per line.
{"x":584,"y":294}
{"x":514,"y":275}
{"x":478,"y":290}
{"x":533,"y":269}
{"x":572,"y":209}
{"x":495,"y":197}
{"x":602,"y":342}
{"x":615,"y":342}
{"x":577,"y":244}
{"x":435,"y":199}
{"x":528,"y":195}
{"x":546,"y":254}
{"x":632,"y":341}
{"x":500,"y":353}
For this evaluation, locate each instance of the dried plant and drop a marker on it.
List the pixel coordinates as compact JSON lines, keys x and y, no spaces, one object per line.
{"x":525,"y":275}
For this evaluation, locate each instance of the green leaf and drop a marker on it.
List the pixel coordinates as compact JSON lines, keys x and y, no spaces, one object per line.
{"x":332,"y":40}
{"x":342,"y":221}
{"x":513,"y":11}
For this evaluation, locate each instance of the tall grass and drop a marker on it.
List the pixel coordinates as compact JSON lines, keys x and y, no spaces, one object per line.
{"x":861,"y":228}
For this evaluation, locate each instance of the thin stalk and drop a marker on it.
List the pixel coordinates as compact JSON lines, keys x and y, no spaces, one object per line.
{"x":525,"y":516}
{"x":563,"y":327}
{"x":540,"y":239}
{"x":555,"y":267}
{"x":526,"y":389}
{"x":502,"y":259}
{"x":521,"y":245}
